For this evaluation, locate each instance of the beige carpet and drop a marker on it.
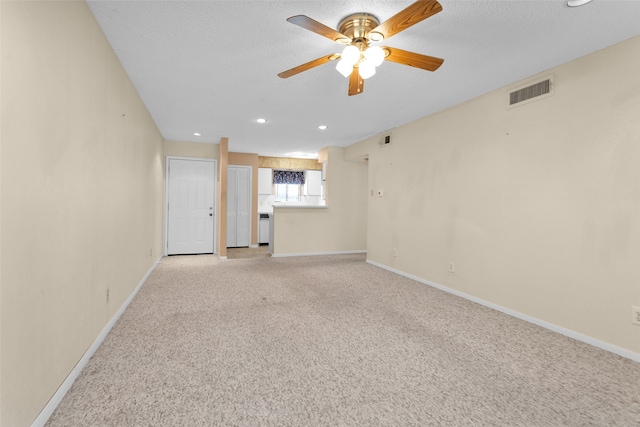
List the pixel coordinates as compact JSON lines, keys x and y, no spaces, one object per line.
{"x":333,"y":341}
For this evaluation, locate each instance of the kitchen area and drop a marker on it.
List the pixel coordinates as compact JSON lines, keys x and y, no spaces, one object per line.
{"x":255,"y":209}
{"x":291,"y":183}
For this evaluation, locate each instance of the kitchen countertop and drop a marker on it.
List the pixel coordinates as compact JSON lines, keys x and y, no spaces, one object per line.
{"x":301,"y":207}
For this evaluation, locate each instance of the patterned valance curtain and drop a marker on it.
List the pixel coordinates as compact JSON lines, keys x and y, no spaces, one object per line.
{"x":288,"y":177}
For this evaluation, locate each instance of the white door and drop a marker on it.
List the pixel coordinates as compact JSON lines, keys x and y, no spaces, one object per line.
{"x":232,"y":206}
{"x":238,"y":206}
{"x":190,"y":207}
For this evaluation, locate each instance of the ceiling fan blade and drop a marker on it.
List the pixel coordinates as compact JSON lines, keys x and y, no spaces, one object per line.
{"x":418,"y":11}
{"x":307,"y":66}
{"x":411,"y":59}
{"x":318,"y":28}
{"x":356,"y":83}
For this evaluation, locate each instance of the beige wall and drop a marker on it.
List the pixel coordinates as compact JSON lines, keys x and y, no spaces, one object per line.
{"x":538,"y":206}
{"x":82,"y":171}
{"x":191,"y":149}
{"x":342,"y":227}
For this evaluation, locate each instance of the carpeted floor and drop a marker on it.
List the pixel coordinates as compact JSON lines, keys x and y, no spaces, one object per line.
{"x":333,"y":341}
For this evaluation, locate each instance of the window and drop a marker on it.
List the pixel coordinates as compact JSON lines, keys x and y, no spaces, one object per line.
{"x":288,"y":192}
{"x":288,"y":185}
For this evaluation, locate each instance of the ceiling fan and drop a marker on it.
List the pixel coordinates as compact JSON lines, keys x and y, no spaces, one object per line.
{"x":358,"y":31}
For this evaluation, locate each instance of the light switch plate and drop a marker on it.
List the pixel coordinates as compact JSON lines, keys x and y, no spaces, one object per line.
{"x":635,"y":315}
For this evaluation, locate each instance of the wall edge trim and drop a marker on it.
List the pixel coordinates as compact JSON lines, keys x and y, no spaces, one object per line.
{"x":318,"y":253}
{"x":55,"y":400}
{"x":603,"y":345}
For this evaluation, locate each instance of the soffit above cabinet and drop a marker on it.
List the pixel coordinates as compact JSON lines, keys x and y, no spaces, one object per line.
{"x":289,"y":164}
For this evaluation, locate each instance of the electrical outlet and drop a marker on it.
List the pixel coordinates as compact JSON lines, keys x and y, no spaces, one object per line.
{"x":150,"y":252}
{"x":635,"y":315}
{"x":107,"y":294}
{"x":452,"y":267}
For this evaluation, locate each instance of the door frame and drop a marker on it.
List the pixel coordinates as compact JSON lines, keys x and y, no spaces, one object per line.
{"x":216,"y":181}
{"x":250,"y":168}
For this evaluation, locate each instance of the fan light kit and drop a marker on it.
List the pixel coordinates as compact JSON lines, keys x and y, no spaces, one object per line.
{"x":359,"y":59}
{"x":358,"y":53}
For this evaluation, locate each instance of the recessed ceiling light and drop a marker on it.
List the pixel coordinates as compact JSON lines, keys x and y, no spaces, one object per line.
{"x":196,"y":134}
{"x":322,"y":127}
{"x":576,"y":3}
{"x":261,"y":120}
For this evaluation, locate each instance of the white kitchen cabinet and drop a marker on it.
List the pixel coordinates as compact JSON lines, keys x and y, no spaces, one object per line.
{"x":313,"y":181}
{"x":265,"y":180}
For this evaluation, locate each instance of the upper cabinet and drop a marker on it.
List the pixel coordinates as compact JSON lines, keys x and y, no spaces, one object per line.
{"x":314,"y":183}
{"x":265,"y":180}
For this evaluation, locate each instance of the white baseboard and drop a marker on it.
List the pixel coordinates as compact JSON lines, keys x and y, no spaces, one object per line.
{"x":53,"y":403}
{"x":317,"y":253}
{"x":547,"y":325}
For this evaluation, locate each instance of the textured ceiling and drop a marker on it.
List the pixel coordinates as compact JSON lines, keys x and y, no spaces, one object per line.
{"x":211,"y":66}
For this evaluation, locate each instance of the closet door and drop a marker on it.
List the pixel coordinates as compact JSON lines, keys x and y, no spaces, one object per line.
{"x":232,"y":206}
{"x":238,"y":206}
{"x":243,"y":226}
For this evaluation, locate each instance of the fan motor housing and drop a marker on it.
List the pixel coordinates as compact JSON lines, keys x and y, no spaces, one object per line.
{"x":358,"y":26}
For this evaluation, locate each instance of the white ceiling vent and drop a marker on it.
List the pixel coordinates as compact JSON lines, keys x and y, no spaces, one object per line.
{"x":531,"y":92}
{"x":385,"y":139}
